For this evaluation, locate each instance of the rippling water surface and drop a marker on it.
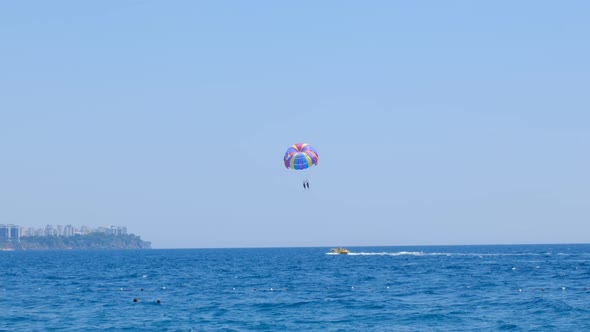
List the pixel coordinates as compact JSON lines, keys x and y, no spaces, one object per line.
{"x":448,"y":288}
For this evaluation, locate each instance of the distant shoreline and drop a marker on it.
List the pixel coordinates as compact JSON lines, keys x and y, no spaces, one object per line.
{"x":92,"y":241}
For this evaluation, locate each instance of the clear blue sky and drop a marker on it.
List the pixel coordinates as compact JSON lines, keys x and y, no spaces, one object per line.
{"x":436,"y":122}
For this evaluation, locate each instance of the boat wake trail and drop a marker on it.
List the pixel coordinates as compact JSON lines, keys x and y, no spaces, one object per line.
{"x":448,"y":254}
{"x":400,"y":253}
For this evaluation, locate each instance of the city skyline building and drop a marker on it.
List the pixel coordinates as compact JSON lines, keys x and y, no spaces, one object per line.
{"x":10,"y":232}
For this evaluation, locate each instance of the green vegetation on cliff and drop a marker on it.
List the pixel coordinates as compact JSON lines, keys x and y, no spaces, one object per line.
{"x":80,"y":242}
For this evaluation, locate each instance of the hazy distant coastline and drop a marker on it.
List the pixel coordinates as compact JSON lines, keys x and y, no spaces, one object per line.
{"x":98,"y":241}
{"x":13,"y":237}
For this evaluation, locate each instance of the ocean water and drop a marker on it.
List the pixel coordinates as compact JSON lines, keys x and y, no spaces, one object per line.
{"x":446,"y":288}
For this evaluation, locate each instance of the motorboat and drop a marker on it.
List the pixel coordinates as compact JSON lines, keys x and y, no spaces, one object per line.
{"x":340,"y":251}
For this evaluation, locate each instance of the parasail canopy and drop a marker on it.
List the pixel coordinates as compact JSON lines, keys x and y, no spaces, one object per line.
{"x":300,"y":156}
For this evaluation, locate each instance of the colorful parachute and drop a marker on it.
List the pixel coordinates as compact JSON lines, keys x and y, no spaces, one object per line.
{"x":300,"y":156}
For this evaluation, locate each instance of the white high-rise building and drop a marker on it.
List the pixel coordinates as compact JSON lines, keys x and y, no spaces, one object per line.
{"x":68,"y":230}
{"x":9,"y":232}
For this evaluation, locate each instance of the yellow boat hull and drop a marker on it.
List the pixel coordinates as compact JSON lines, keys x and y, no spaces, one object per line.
{"x":340,"y":251}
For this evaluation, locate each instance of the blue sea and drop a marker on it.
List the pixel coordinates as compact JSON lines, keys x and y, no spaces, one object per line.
{"x":430,"y":288}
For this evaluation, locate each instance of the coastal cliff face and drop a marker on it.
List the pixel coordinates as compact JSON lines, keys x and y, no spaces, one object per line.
{"x":98,"y":241}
